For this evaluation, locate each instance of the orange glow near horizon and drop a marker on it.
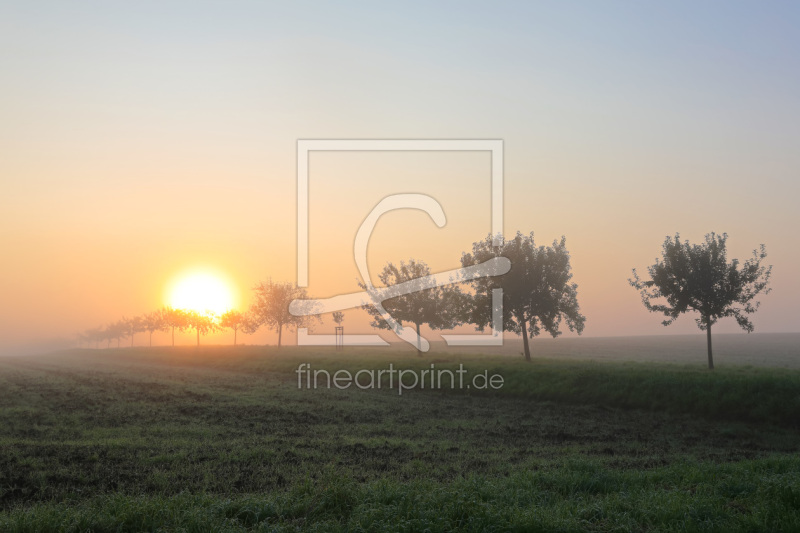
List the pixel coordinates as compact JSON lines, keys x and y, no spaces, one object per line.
{"x":204,"y":292}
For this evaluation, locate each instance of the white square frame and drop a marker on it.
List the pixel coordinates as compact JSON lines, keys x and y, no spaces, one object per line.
{"x":304,"y":149}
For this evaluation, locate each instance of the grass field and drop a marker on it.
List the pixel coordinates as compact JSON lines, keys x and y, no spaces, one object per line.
{"x":222,"y":439}
{"x":776,"y":350}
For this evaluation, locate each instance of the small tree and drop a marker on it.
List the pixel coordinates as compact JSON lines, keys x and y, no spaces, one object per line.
{"x":153,"y":322}
{"x":699,"y":277}
{"x":117,"y":330}
{"x":437,"y":307}
{"x":271,"y":307}
{"x":234,"y":320}
{"x":132,"y":326}
{"x":202,"y":323}
{"x":174,"y":319}
{"x":106,"y":334}
{"x":94,"y":335}
{"x":250,"y":324}
{"x":537,"y":292}
{"x":338,"y":317}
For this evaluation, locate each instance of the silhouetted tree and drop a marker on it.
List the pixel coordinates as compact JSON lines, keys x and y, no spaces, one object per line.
{"x":93,"y":335}
{"x":537,"y":292}
{"x":338,"y":317}
{"x":117,"y":330}
{"x":174,"y":319}
{"x":234,"y":320}
{"x":202,"y":323}
{"x":271,"y":307}
{"x":132,"y":326}
{"x":699,"y":277}
{"x":106,"y":334}
{"x":437,"y":307}
{"x":251,"y":324}
{"x":153,"y":322}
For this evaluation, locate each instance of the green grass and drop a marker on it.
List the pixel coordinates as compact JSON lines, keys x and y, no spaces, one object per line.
{"x":220,"y":439}
{"x":577,"y":495}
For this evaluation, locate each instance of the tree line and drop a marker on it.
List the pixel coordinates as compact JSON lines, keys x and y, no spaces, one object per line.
{"x":538,"y":295}
{"x":270,"y":309}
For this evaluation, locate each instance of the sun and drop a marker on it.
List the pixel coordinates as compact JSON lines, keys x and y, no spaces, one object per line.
{"x":202,"y":292}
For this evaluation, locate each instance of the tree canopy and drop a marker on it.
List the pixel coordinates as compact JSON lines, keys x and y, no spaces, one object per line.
{"x":174,"y":319}
{"x":236,"y":321}
{"x":271,"y":307}
{"x":201,"y":323}
{"x":698,"y":277}
{"x":538,"y":294}
{"x":438,"y":307}
{"x":154,"y":322}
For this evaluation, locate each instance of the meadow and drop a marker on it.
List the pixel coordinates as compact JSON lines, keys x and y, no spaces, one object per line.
{"x":222,"y":439}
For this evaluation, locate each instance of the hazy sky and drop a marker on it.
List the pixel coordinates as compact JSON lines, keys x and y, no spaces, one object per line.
{"x":142,"y":140}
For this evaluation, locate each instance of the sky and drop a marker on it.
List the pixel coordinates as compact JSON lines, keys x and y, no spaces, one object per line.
{"x":143,"y":141}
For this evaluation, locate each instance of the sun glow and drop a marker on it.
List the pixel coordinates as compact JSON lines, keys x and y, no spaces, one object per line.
{"x":202,"y":292}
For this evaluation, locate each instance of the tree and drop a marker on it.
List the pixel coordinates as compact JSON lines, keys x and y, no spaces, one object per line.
{"x":338,"y":317}
{"x":234,"y":320}
{"x":437,"y":307}
{"x":106,"y":334}
{"x":116,"y":330}
{"x":537,"y":291}
{"x":698,"y":277}
{"x":250,"y":324}
{"x":153,"y":322}
{"x":271,"y":307}
{"x":132,"y":326}
{"x":202,"y":323}
{"x":94,"y":335}
{"x":174,"y":318}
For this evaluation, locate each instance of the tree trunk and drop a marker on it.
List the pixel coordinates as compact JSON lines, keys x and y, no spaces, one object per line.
{"x":131,"y":340}
{"x":419,"y":342}
{"x":708,"y":339}
{"x":151,"y":339}
{"x":234,"y":336}
{"x":173,"y":336}
{"x":524,"y":325}
{"x":280,"y":334}
{"x":198,"y":337}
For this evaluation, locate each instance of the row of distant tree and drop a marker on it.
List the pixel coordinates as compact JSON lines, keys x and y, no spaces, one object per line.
{"x":271,"y":309}
{"x":538,"y":294}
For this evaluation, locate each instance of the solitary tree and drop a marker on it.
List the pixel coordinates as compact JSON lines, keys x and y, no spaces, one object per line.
{"x":438,"y":307}
{"x":234,"y":320}
{"x":174,"y":319}
{"x":537,"y":291}
{"x":271,"y":307}
{"x":698,"y":277}
{"x":338,"y":317}
{"x":202,"y":323}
